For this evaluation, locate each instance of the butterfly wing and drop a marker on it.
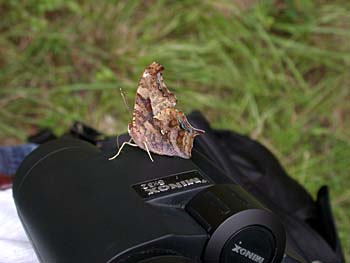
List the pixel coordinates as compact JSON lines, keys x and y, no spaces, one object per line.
{"x":152,"y":86}
{"x":177,"y":133}
{"x":156,"y":122}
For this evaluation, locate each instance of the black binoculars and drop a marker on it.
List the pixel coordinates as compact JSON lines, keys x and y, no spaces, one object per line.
{"x":77,"y":206}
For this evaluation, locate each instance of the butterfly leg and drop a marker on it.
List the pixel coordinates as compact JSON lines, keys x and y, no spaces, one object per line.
{"x":149,"y":154}
{"x":120,"y":149}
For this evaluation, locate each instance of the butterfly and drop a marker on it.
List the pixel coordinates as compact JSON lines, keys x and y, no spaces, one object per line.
{"x":156,"y":125}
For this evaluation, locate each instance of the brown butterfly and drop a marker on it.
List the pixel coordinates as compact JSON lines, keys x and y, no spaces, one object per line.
{"x":156,"y":125}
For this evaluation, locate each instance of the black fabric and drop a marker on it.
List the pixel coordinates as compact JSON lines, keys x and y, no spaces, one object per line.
{"x":42,"y":136}
{"x":325,"y":223}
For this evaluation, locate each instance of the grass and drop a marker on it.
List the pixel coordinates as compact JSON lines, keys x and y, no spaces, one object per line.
{"x":278,"y":71}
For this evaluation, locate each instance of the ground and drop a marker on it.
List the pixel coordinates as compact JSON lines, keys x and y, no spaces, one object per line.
{"x":278,"y":71}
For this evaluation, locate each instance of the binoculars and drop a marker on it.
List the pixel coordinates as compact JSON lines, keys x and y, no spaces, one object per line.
{"x":77,"y":206}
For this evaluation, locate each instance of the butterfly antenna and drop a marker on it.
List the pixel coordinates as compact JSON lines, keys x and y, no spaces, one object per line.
{"x":125,"y":101}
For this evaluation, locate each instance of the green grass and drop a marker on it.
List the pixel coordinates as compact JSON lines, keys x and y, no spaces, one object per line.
{"x":278,"y":71}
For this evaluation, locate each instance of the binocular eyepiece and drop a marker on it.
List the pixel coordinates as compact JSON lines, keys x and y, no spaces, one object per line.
{"x":77,"y":206}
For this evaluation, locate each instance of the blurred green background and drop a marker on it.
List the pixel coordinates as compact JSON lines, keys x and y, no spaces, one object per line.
{"x":278,"y":71}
